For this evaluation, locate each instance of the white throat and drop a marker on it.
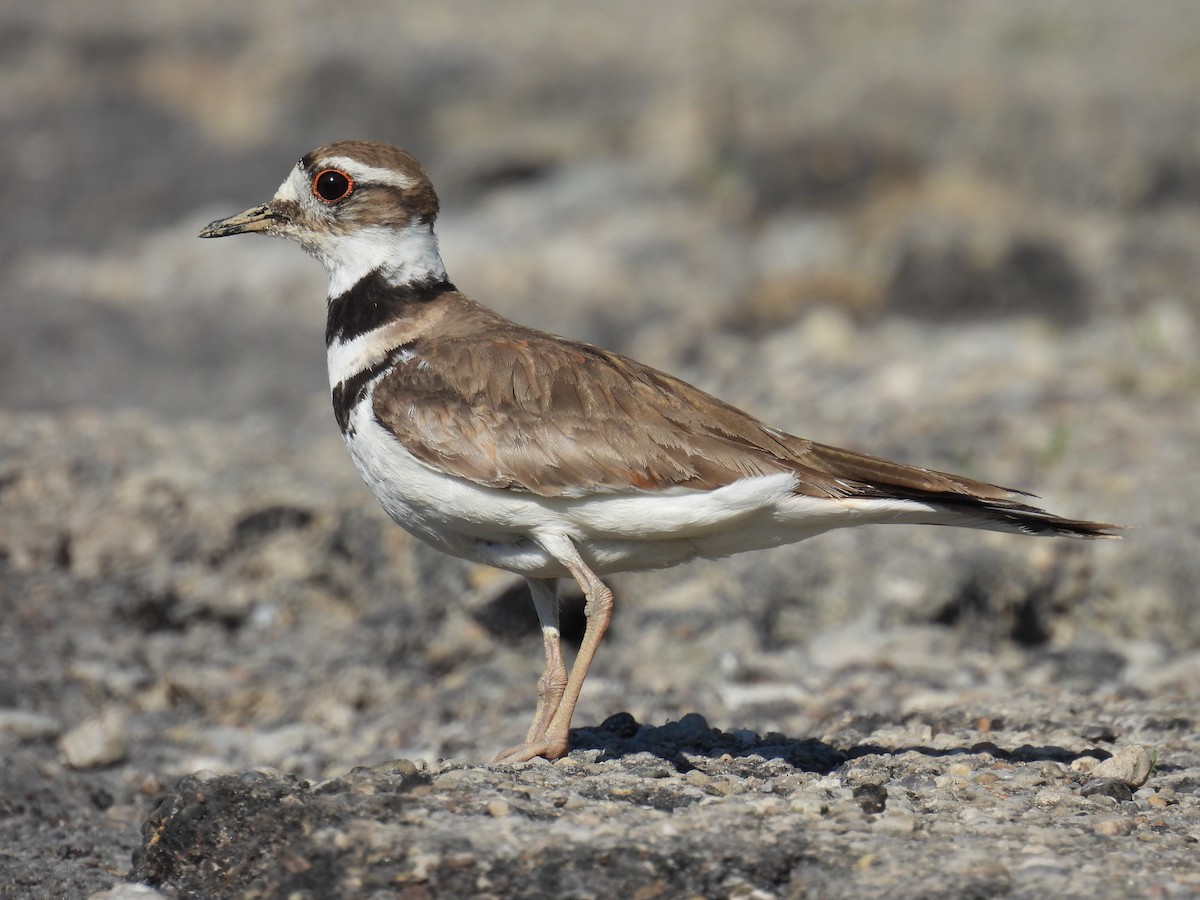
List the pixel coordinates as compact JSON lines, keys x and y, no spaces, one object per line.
{"x":401,"y":255}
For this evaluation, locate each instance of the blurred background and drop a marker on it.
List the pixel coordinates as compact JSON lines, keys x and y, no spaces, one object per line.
{"x":963,"y":234}
{"x":604,"y":169}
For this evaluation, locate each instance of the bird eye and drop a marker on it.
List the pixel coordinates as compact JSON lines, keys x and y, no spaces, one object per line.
{"x":331,"y":186}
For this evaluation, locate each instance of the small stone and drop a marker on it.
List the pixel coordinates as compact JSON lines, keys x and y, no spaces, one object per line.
{"x":498,"y":808}
{"x":453,"y":779}
{"x":99,"y":741}
{"x":1130,"y":765}
{"x":23,"y":725}
{"x":1084,"y":765}
{"x":1107,"y":787}
{"x":871,"y":797}
{"x":152,"y":786}
{"x":1048,"y":798}
{"x":722,"y":787}
{"x":423,"y":863}
{"x":128,"y":892}
{"x":1113,"y":827}
{"x":623,"y":724}
{"x":405,"y":768}
{"x":1052,"y":771}
{"x":916,"y":784}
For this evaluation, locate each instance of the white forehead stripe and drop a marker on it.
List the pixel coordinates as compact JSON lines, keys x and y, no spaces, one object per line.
{"x":360,"y":172}
{"x":289,"y":190}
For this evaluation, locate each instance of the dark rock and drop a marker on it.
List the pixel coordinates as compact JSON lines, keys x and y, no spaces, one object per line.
{"x":871,"y":797}
{"x":1107,"y":787}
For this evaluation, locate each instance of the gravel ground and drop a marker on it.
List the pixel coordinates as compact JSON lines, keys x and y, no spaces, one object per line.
{"x":960,"y":234}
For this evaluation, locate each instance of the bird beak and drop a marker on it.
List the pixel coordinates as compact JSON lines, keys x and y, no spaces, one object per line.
{"x":261,"y":218}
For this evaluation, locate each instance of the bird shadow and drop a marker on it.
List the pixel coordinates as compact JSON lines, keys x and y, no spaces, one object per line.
{"x":679,"y":743}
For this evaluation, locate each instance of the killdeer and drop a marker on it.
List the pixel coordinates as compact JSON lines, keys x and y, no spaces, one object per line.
{"x":549,"y":457}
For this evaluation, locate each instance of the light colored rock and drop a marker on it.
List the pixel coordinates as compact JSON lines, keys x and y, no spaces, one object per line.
{"x":1130,"y":764}
{"x":127,"y":892}
{"x":1084,"y":765}
{"x":1113,"y":827}
{"x":99,"y":741}
{"x":23,"y":725}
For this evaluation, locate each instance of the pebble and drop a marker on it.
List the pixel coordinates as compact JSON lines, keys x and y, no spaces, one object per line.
{"x":1113,"y":827}
{"x":1049,"y":798}
{"x":1099,"y":788}
{"x":404,"y":768}
{"x":128,"y":892}
{"x":99,"y":741}
{"x":1130,"y":765}
{"x":23,"y":725}
{"x":1084,"y":765}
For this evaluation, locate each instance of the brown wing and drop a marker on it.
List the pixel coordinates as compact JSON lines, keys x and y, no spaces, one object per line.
{"x":530,"y":412}
{"x":515,"y":408}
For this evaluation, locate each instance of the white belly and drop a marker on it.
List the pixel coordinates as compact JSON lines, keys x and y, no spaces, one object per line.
{"x":613,"y":532}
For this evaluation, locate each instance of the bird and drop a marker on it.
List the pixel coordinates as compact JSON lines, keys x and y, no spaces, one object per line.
{"x":553,"y":458}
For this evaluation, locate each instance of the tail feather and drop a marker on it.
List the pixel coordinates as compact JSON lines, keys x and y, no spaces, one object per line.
{"x":970,"y":503}
{"x":1021,"y":518}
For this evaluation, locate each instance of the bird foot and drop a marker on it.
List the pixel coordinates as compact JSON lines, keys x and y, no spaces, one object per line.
{"x":546,"y":747}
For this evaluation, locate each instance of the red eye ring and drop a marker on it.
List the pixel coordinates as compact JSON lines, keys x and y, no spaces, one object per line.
{"x":332,"y":185}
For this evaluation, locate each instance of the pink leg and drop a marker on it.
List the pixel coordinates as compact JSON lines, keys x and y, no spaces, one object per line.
{"x":553,"y":681}
{"x":549,"y":738}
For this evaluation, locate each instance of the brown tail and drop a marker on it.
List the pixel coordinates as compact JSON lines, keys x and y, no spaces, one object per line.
{"x":971,"y":503}
{"x":1018,"y":517}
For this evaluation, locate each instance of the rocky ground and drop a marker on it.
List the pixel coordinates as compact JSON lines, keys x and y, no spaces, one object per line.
{"x":962,"y":234}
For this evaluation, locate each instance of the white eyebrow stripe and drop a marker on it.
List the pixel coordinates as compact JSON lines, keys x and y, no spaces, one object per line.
{"x":360,"y":172}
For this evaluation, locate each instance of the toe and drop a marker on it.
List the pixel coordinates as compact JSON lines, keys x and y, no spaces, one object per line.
{"x":547,"y":748}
